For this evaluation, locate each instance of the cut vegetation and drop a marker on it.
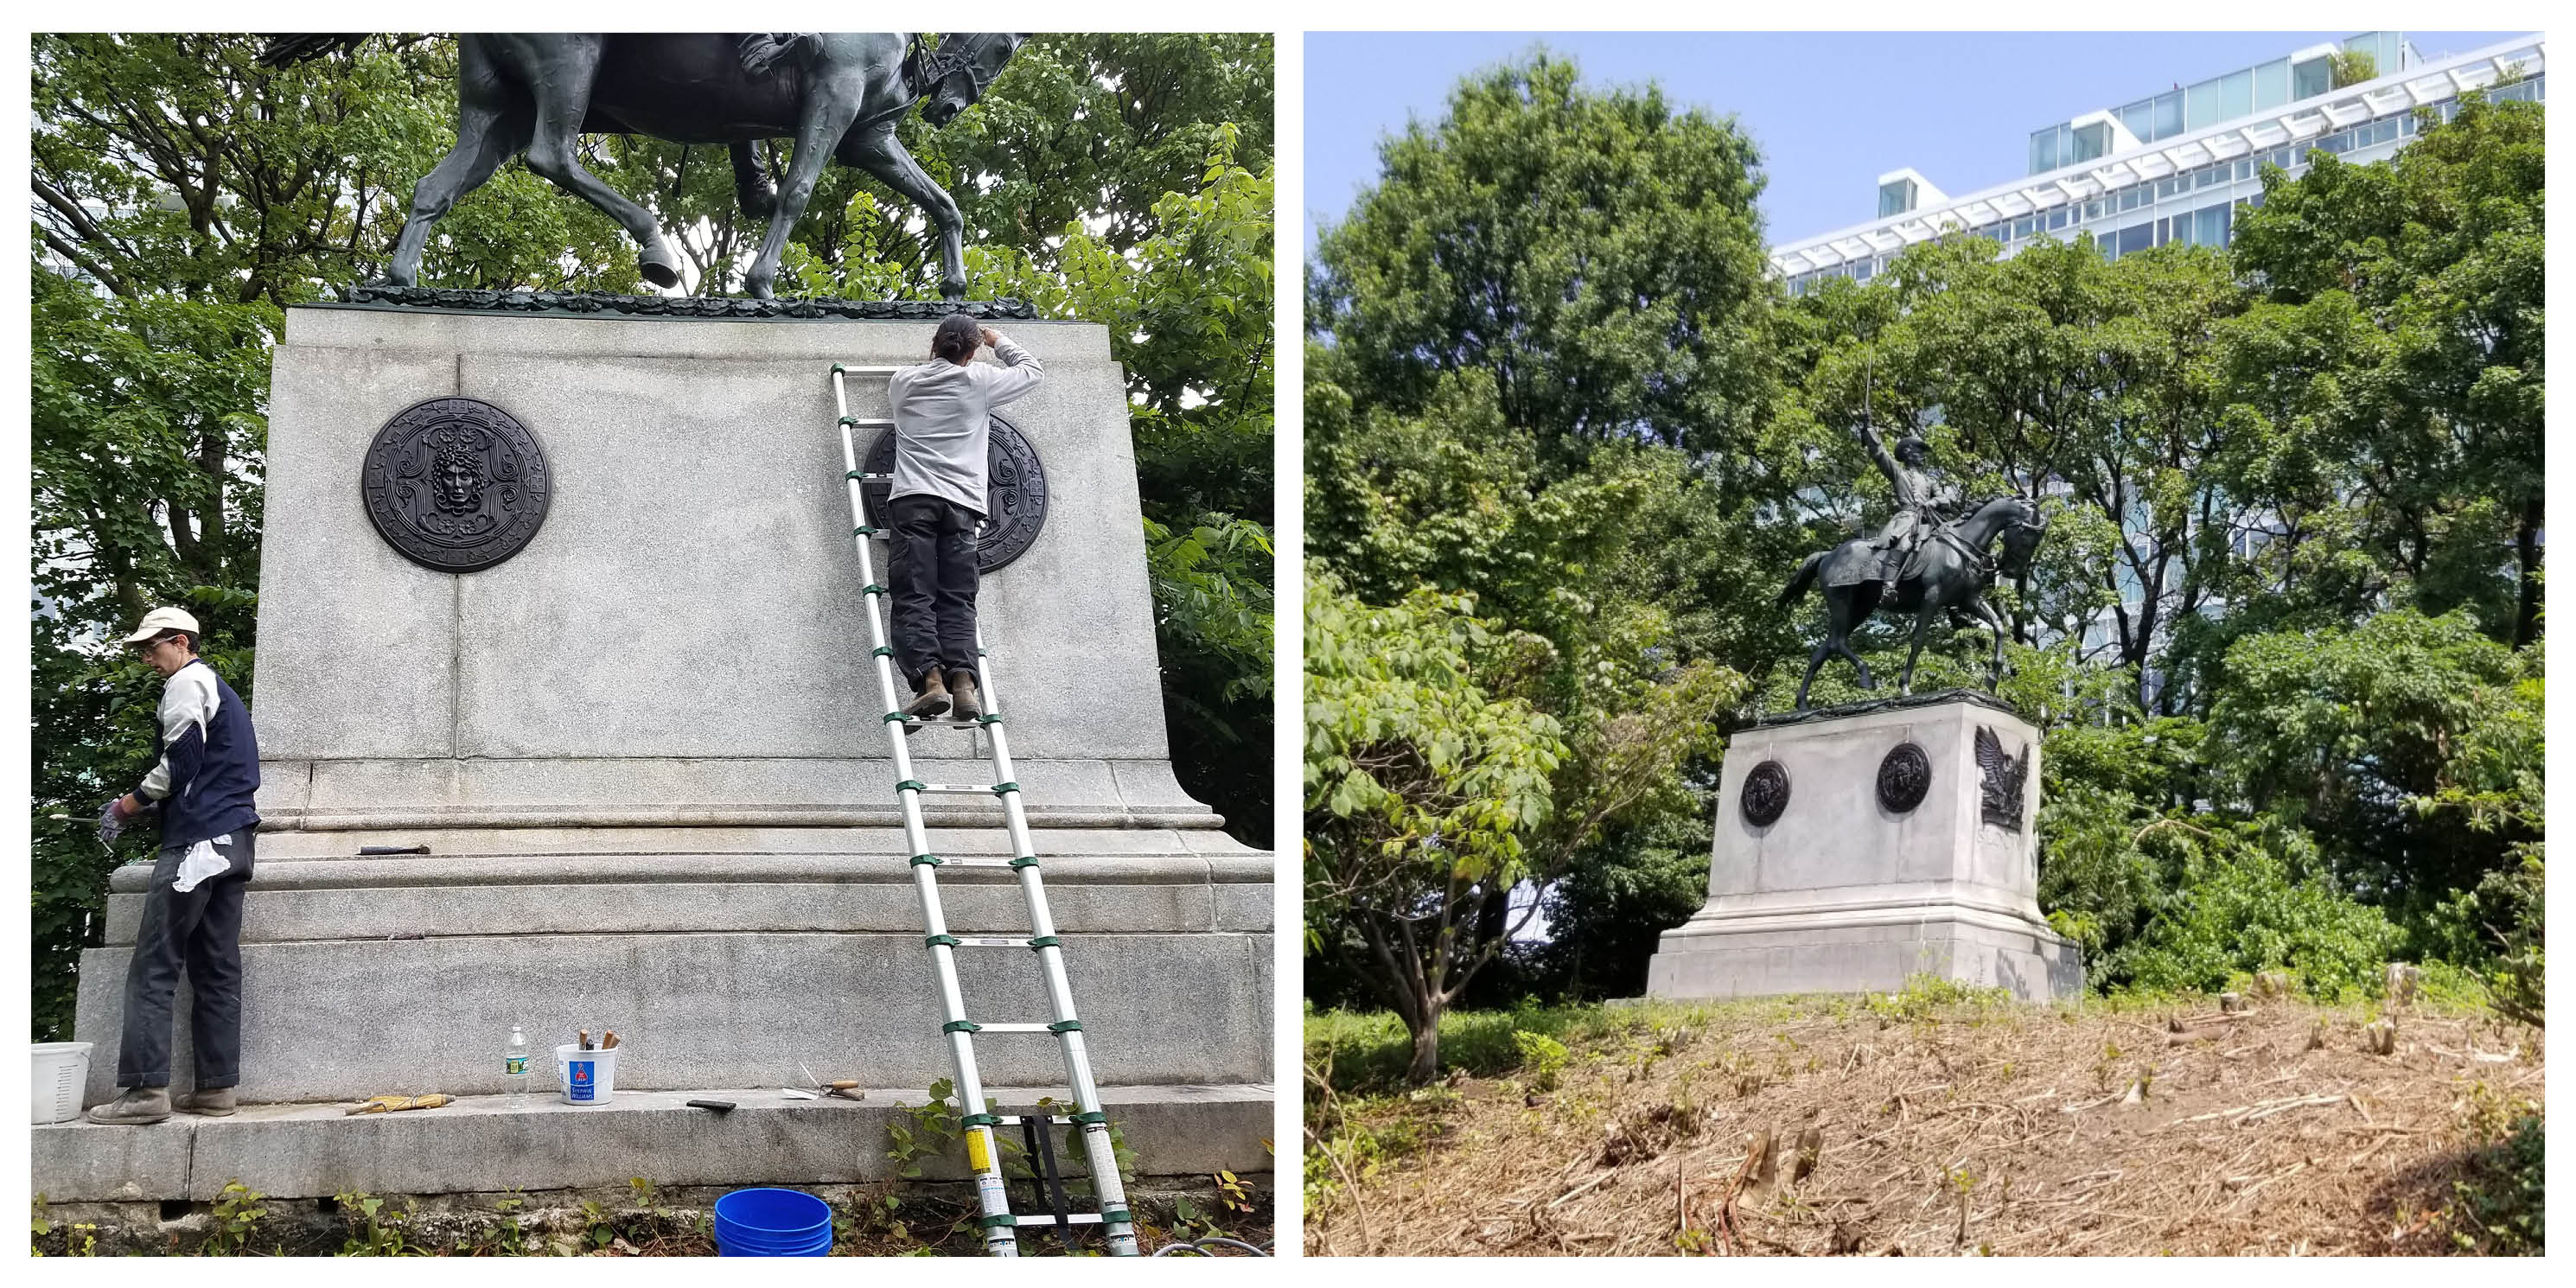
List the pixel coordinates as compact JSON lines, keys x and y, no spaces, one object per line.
{"x":1937,"y":1122}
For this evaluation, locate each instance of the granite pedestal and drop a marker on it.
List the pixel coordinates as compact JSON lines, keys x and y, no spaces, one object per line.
{"x":645,"y":756}
{"x":1821,"y":882}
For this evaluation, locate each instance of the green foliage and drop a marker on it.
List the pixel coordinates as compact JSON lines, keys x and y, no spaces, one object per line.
{"x":2409,"y":747}
{"x":511,"y":1237}
{"x":1925,"y":995}
{"x":236,"y":1213}
{"x":2242,"y":905}
{"x":923,"y":1131}
{"x":1185,"y":288}
{"x":2503,"y":1201}
{"x":1542,"y":1058}
{"x":1596,"y":251}
{"x":375,"y":1232}
{"x":2398,"y":367}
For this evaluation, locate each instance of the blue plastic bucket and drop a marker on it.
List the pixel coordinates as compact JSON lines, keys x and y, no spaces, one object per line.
{"x":772,"y":1223}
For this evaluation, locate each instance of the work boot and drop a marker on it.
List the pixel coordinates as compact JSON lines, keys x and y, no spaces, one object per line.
{"x":213,"y":1102}
{"x":970,"y":704}
{"x":137,"y":1105}
{"x":933,"y":702}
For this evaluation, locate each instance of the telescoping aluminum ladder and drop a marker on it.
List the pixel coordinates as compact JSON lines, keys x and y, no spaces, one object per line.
{"x":1000,"y":1237}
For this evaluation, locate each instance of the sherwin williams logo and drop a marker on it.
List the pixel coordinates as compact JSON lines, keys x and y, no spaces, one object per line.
{"x":582,"y":1087}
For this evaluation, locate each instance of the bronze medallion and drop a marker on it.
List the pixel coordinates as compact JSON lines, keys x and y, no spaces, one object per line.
{"x":1766,"y":794}
{"x":1904,"y":778}
{"x":455,"y":484}
{"x":1015,"y":493}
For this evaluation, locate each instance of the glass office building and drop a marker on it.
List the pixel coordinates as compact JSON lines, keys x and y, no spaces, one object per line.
{"x":2175,"y":167}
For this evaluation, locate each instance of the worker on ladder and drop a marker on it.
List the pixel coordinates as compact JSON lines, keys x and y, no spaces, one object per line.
{"x":942,"y":418}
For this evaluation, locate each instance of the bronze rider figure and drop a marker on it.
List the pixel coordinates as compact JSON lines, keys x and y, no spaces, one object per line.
{"x":1921,"y":502}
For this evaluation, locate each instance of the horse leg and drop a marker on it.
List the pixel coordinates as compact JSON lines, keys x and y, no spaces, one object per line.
{"x":490,"y":129}
{"x":1815,"y":662}
{"x":1994,"y":622}
{"x":1847,"y":612}
{"x":560,"y":72}
{"x":829,"y":108}
{"x":881,"y":154}
{"x":1922,"y":622}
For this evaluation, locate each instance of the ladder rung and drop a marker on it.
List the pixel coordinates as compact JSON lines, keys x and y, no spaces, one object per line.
{"x":865,"y":475}
{"x":975,"y":863}
{"x":986,"y":941}
{"x":958,"y":789}
{"x":871,"y":421}
{"x":1015,"y":1028}
{"x":1014,"y":1120}
{"x":1049,"y":1218}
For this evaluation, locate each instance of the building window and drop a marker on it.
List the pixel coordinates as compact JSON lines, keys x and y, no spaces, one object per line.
{"x":2236,"y":95}
{"x":2136,"y":238}
{"x":2209,"y":176}
{"x":2092,"y":142}
{"x":2272,"y":84}
{"x":2200,"y":105}
{"x":2211,"y":226}
{"x":2169,"y":114}
{"x":2311,"y":78}
{"x":2140,"y":119}
{"x":1895,"y":198}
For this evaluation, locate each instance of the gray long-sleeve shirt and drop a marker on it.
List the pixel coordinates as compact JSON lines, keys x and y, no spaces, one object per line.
{"x":942,"y":418}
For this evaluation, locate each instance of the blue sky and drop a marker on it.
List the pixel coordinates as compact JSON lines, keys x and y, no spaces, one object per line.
{"x":1830,"y":111}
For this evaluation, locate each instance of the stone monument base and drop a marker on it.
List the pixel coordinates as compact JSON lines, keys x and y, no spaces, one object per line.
{"x":1860,"y":846}
{"x":637,"y":778}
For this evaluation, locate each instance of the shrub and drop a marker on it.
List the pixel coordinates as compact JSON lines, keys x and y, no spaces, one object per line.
{"x":2240,"y":908}
{"x":1542,"y":1058}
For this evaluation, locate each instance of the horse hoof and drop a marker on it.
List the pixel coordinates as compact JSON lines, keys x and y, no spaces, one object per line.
{"x":758,"y":288}
{"x":659,"y":272}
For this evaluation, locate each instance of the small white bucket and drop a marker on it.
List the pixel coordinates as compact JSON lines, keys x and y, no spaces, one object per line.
{"x":62,"y":1071}
{"x":589,"y":1077}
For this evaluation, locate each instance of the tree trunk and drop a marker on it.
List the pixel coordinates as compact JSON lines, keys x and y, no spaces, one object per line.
{"x":1426,"y":1042}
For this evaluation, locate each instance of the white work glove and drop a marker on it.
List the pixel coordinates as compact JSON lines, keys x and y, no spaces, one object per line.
{"x":111,"y":823}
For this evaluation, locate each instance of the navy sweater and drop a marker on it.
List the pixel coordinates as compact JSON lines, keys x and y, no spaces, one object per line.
{"x":206,"y":759}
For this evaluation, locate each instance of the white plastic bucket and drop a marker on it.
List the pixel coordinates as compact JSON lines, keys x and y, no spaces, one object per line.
{"x":588,"y":1077}
{"x":62,"y":1071}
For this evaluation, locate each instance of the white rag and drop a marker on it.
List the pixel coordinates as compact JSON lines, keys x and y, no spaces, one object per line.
{"x":202,"y":862}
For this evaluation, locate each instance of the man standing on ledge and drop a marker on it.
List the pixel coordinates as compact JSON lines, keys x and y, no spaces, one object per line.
{"x":204,"y":773}
{"x":942,"y":417}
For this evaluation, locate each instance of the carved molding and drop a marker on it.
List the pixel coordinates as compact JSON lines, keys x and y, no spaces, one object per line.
{"x":585,"y":303}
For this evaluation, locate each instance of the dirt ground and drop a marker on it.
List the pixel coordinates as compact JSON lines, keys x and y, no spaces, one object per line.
{"x":1902,"y":1127}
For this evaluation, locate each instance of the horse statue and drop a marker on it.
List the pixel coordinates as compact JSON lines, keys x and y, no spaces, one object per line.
{"x":1948,"y":572}
{"x":836,"y":94}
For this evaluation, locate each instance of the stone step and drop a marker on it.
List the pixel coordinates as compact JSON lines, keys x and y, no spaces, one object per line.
{"x":485,"y":1144}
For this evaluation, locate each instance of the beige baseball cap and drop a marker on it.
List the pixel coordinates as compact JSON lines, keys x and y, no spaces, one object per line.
{"x":163,"y":619}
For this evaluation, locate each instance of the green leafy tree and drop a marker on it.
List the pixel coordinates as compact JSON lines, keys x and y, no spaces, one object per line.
{"x":1597,"y":253}
{"x":1534,"y":342}
{"x":2406,"y":302}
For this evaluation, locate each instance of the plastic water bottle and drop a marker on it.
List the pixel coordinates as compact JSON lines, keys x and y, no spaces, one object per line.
{"x":514,"y":1066}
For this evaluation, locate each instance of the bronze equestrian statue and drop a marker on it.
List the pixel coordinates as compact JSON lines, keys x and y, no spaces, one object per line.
{"x":837,"y":94}
{"x":1916,"y":564}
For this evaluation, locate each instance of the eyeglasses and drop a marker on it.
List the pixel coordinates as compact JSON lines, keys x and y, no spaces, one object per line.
{"x":145,"y":648}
